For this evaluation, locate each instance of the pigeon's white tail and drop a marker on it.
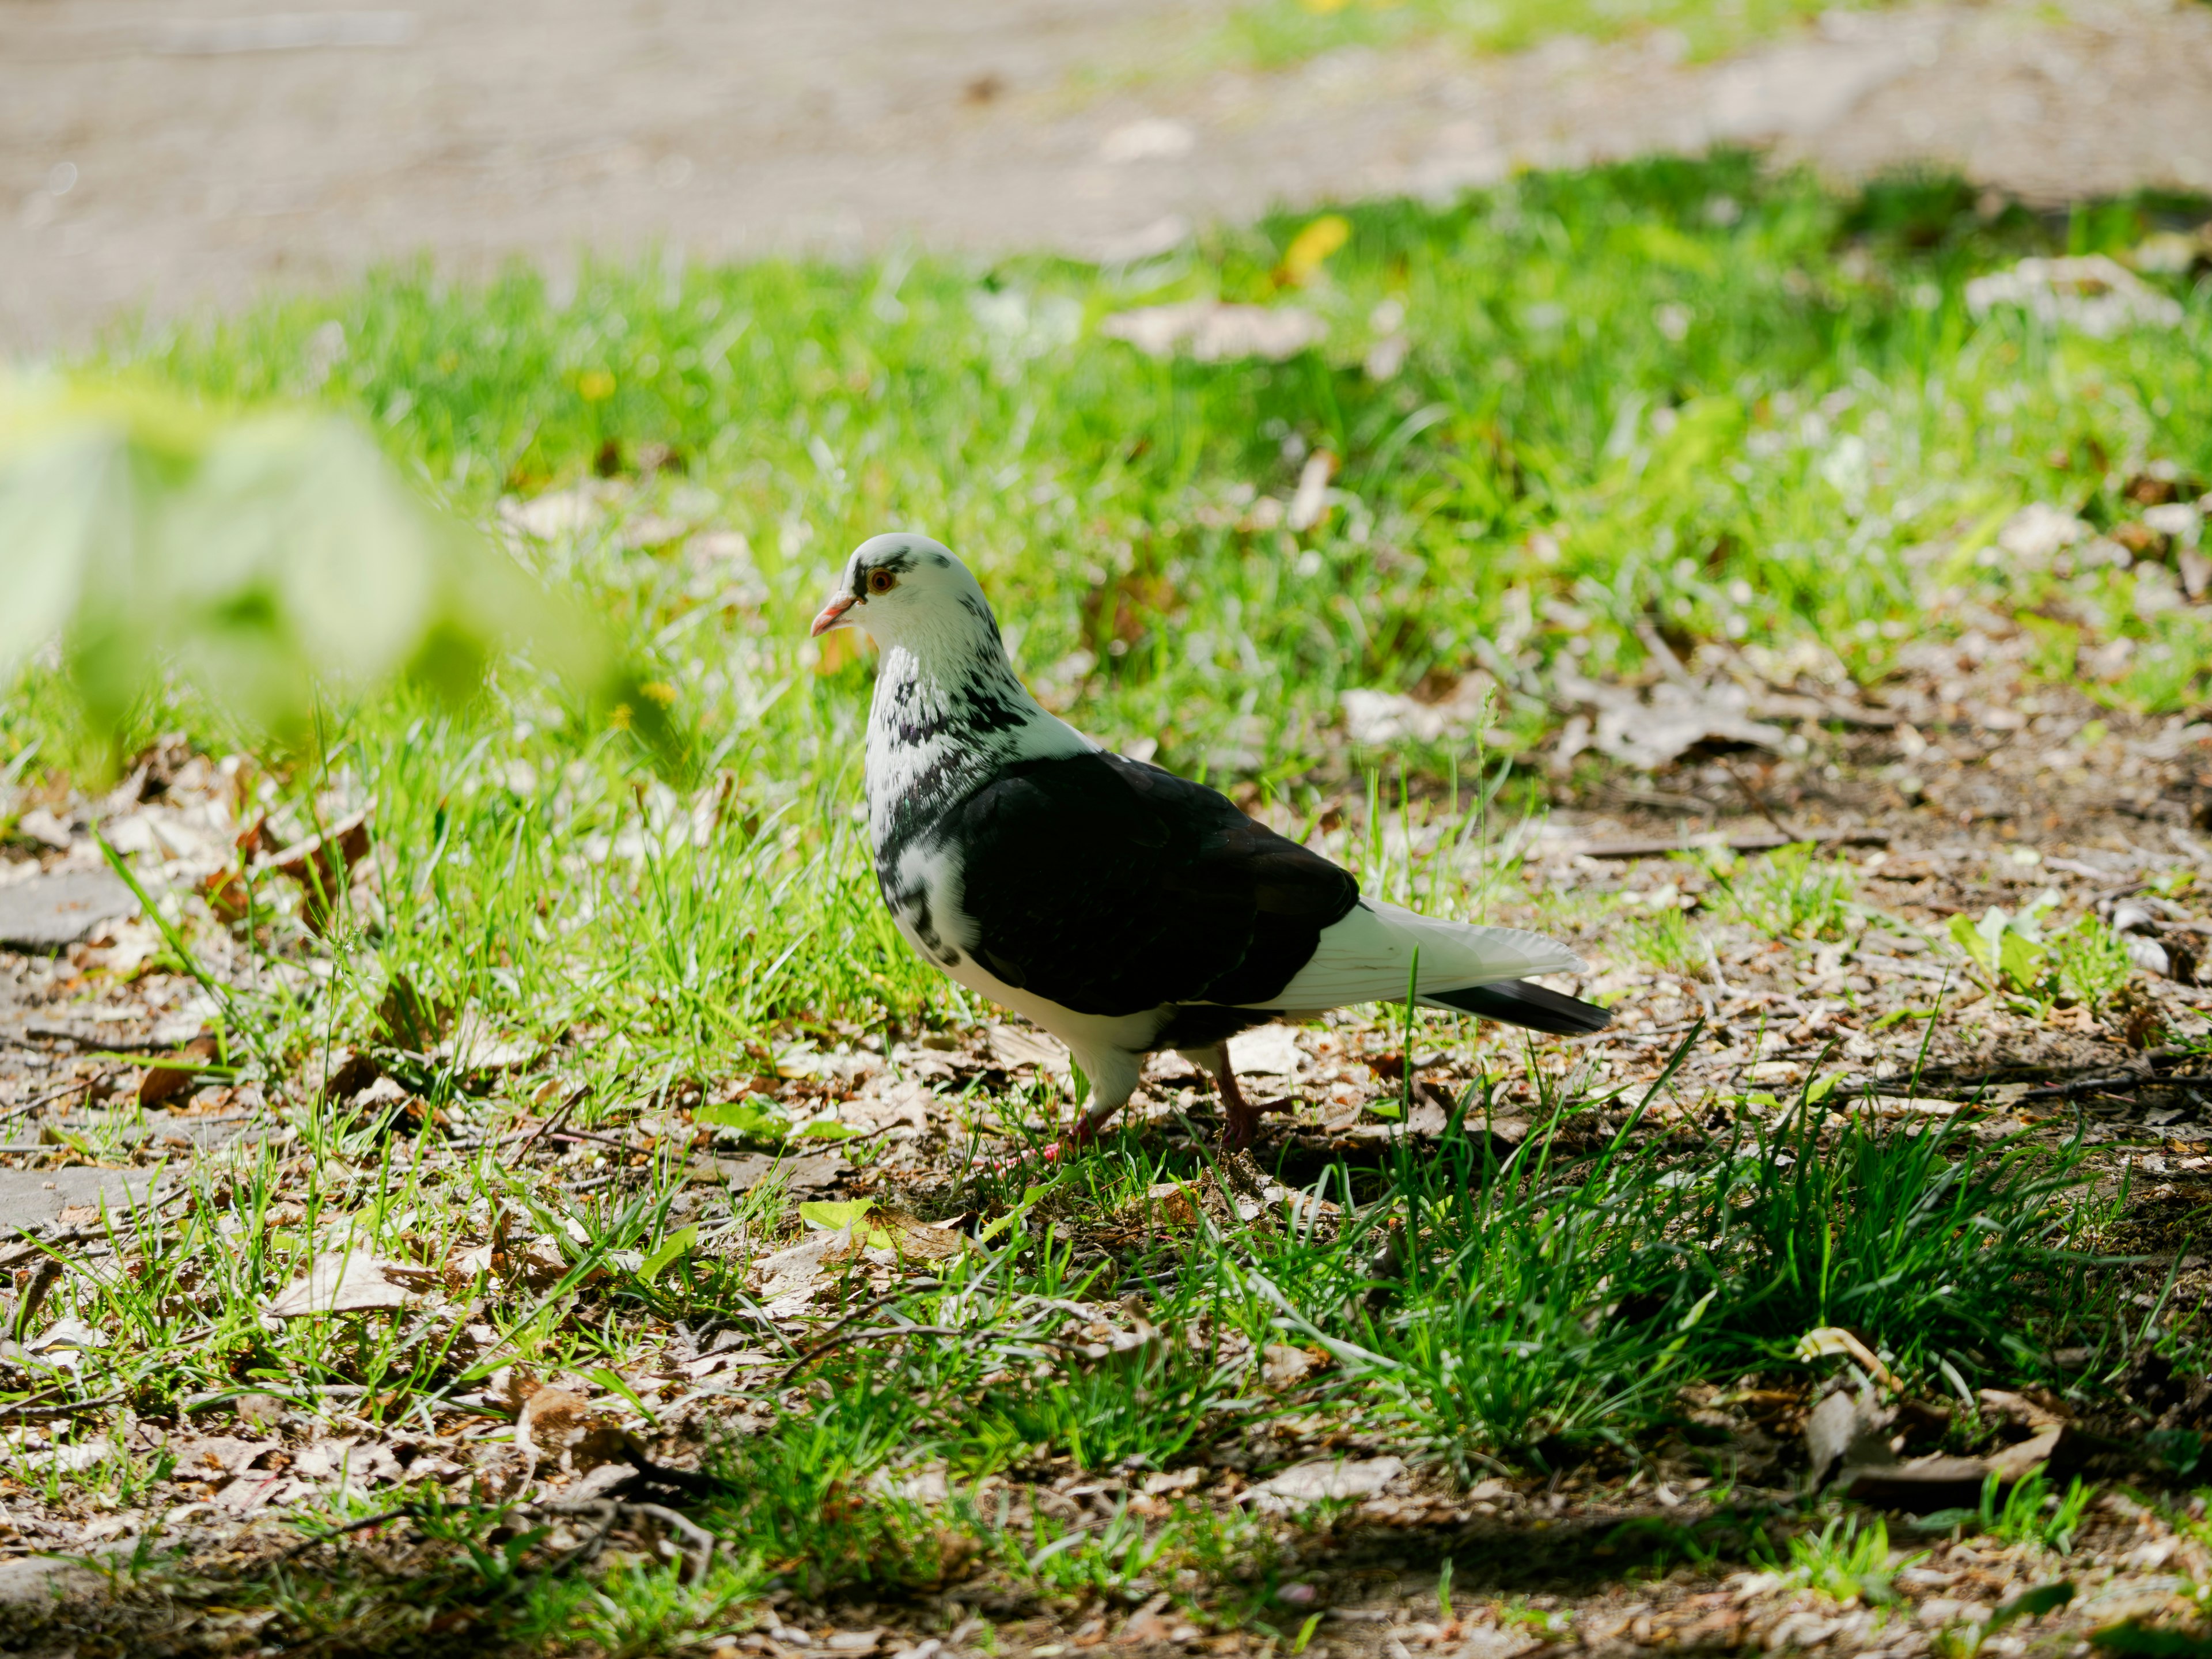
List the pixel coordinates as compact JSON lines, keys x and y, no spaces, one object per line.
{"x":1369,"y":956}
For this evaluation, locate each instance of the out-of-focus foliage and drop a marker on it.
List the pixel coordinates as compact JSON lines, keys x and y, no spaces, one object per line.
{"x":263,"y":556}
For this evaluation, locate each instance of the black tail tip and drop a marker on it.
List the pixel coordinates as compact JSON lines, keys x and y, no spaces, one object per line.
{"x":1522,"y":1002}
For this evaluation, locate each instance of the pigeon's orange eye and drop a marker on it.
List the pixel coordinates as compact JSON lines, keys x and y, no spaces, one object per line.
{"x":881,"y":581}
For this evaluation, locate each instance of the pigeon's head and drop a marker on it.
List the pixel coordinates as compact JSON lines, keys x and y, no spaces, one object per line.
{"x":900,"y":587}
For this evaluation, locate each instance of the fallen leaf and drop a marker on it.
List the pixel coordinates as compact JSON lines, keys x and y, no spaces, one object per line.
{"x":157,"y":1084}
{"x":910,"y":1235}
{"x":1151,"y":138}
{"x":1920,"y":1486}
{"x":1012,"y":1047}
{"x":804,"y":1265}
{"x":66,"y":1334}
{"x":550,"y":1416}
{"x":1844,"y":1433}
{"x":2019,"y":1408}
{"x":1647,"y":730}
{"x":557,"y":513}
{"x":1379,"y":718}
{"x":352,"y":1281}
{"x":476,"y":1046}
{"x":834,"y":1217}
{"x":1174,"y":1203}
{"x":1310,"y":501}
{"x":322,"y":865}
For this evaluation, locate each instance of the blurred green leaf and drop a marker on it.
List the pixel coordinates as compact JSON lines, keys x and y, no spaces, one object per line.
{"x":266,"y":557}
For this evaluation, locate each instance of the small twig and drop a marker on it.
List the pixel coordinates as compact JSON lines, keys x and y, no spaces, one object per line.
{"x":30,"y":1245}
{"x":295,"y":1393}
{"x":1753,"y":793}
{"x":604,"y":1140}
{"x":2088,"y":1085}
{"x":61,"y":1408}
{"x":558,"y":1118}
{"x":72,"y":1086}
{"x":365,"y":1522}
{"x":1750,"y":842}
{"x":820,"y":1348}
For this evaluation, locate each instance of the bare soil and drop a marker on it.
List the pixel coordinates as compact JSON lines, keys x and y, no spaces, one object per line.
{"x":154,"y":164}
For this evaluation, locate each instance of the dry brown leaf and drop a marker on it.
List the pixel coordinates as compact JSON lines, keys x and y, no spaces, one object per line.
{"x":1013,"y":1048}
{"x":913,"y":1236}
{"x":322,"y":865}
{"x":476,"y":1045}
{"x":549,"y":1416}
{"x":1173,"y":1203}
{"x":353,"y":1280}
{"x":807,"y":1262}
{"x":157,"y":1084}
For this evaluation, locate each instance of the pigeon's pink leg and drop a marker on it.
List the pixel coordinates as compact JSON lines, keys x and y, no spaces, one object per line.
{"x":1083,"y":1133}
{"x":1240,"y":1119}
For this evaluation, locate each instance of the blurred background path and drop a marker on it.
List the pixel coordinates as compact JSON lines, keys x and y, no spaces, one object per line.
{"x":154,"y":160}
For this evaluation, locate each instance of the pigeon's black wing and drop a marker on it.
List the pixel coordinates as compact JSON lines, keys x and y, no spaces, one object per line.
{"x":1111,"y":887}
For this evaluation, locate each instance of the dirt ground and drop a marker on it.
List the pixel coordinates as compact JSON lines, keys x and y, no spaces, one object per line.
{"x":151,"y":161}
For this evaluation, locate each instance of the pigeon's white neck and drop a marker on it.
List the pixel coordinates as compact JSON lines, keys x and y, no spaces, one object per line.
{"x":949,"y":713}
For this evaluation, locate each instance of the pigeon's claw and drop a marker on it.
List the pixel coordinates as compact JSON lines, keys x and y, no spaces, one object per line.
{"x":1239,"y":1124}
{"x":1081,"y":1135}
{"x":1240,"y":1118}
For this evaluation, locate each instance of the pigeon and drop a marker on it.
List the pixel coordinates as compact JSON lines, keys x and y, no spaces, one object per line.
{"x":1121,"y":907}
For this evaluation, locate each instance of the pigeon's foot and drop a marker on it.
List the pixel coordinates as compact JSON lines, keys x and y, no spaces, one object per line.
{"x":1240,"y":1125}
{"x":1081,"y":1135}
{"x":1240,"y":1118}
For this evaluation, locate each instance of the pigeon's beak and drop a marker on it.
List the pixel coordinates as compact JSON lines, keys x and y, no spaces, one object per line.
{"x":833,"y":615}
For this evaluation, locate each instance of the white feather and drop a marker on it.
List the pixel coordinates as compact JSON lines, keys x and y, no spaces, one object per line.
{"x":1370,"y":955}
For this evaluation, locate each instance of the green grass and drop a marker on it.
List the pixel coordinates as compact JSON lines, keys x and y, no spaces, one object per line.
{"x":1677,"y":399}
{"x":1275,"y":33}
{"x":2026,"y":1513}
{"x":1846,"y":1561}
{"x":1544,"y":1313}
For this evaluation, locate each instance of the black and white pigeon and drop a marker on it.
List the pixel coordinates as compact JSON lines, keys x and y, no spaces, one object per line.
{"x":1120,"y":907}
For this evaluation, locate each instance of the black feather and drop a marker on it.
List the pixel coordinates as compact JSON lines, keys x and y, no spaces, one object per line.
{"x":1520,"y":1002}
{"x":1112,"y":887}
